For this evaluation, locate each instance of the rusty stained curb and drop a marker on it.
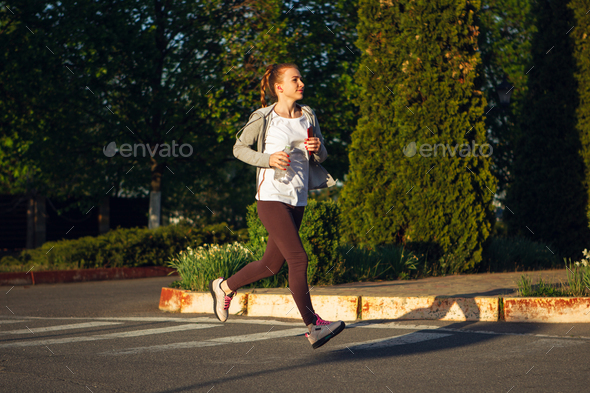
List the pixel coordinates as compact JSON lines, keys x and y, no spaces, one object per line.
{"x":185,"y":301}
{"x":547,"y":309}
{"x":351,"y":308}
{"x":430,"y":307}
{"x":283,"y":306}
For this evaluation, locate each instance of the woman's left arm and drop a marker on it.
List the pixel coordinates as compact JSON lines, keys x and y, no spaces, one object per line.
{"x":321,"y":155}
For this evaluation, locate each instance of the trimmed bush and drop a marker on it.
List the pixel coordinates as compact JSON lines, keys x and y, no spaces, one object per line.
{"x":513,"y":254}
{"x":122,"y":247}
{"x":390,"y":262}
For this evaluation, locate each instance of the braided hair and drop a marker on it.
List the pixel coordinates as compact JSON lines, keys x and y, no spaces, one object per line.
{"x":274,"y":74}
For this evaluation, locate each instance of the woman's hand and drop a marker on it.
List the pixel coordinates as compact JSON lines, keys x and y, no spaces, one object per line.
{"x":279,"y":160}
{"x":312,"y":144}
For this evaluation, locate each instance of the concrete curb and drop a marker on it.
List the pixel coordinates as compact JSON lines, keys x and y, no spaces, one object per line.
{"x":78,"y":275}
{"x":547,"y":309}
{"x":431,"y":307}
{"x":184,"y":301}
{"x":351,"y":308}
{"x":283,"y":306}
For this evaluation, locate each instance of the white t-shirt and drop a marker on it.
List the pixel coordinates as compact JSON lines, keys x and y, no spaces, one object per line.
{"x":281,"y":132}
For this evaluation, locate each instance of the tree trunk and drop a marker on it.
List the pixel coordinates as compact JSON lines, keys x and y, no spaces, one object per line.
{"x":104,"y":216}
{"x":40,"y":221}
{"x":155,"y":197}
{"x":31,"y":222}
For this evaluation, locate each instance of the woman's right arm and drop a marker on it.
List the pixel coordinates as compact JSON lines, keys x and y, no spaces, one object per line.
{"x":245,"y":148}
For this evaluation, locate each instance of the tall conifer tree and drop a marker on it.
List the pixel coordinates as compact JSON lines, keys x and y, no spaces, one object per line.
{"x":547,"y":199}
{"x":581,"y":36}
{"x":418,"y":73}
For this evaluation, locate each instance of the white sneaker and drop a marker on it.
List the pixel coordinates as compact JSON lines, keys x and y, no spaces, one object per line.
{"x":322,"y":331}
{"x":221,"y":301}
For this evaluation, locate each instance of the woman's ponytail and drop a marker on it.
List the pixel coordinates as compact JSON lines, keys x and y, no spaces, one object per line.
{"x":264,"y":84}
{"x":273,"y":74}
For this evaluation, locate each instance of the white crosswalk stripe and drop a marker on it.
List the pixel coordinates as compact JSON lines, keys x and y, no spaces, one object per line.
{"x":213,"y":341}
{"x":252,"y":321}
{"x":11,"y":321}
{"x":160,"y":348}
{"x":207,"y":322}
{"x":60,"y":327}
{"x":133,"y":333}
{"x":261,"y":336}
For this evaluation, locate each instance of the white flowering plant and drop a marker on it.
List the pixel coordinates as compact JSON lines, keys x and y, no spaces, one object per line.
{"x":198,"y":266}
{"x":578,"y":275}
{"x":578,"y":281}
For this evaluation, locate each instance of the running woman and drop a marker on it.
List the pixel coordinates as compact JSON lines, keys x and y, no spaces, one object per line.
{"x":281,"y":204}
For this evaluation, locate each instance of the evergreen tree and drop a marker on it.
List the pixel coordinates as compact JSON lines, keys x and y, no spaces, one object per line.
{"x":581,"y":36}
{"x":506,"y":29}
{"x":418,"y":77}
{"x":547,"y":199}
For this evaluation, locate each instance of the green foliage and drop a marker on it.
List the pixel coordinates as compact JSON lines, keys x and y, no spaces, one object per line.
{"x":513,"y":254}
{"x":500,"y":229}
{"x":578,"y":277}
{"x":319,"y":233}
{"x":580,"y":35}
{"x":187,"y":72}
{"x":507,"y":27}
{"x":578,"y":284}
{"x":198,"y":266}
{"x":389,"y":262}
{"x":127,"y":247}
{"x":542,"y":289}
{"x":418,"y":72}
{"x":547,"y":198}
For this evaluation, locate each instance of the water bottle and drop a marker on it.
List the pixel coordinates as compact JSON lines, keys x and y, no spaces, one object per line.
{"x":282,"y":175}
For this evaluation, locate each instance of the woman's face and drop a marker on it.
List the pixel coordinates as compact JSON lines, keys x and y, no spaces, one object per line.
{"x":292,"y":86}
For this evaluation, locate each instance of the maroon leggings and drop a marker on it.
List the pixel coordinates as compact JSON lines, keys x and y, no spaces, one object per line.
{"x":282,"y":221}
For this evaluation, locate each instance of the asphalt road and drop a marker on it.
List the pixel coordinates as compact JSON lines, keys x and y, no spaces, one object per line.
{"x":110,"y":336}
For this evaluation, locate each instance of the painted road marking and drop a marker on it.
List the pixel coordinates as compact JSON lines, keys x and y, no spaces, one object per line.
{"x":214,"y":341}
{"x":361,"y":324}
{"x":408,"y":338}
{"x":11,"y":321}
{"x":183,"y":320}
{"x":395,"y":325}
{"x":160,"y":348}
{"x":261,"y":336}
{"x":133,"y":333}
{"x":60,"y":327}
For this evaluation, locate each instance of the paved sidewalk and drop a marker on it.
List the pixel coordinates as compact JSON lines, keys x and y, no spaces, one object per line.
{"x":466,"y":285}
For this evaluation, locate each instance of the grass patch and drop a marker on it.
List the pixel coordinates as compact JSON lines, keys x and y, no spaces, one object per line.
{"x":577,"y":285}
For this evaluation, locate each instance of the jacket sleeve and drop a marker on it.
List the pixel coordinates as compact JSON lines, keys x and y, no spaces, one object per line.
{"x":245,"y":148}
{"x":322,"y":155}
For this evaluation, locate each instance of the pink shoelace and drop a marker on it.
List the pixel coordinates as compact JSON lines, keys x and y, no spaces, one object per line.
{"x":228,"y":298}
{"x":318,"y":322}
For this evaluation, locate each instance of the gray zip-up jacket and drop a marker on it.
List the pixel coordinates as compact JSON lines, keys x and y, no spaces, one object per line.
{"x":255,"y":134}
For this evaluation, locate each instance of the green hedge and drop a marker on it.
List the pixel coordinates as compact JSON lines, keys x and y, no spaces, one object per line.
{"x":122,"y":247}
{"x":319,"y":232}
{"x":518,"y":253}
